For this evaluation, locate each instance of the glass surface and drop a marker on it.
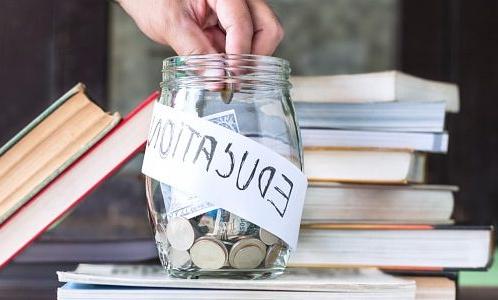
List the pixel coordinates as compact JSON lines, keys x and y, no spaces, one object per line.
{"x":322,"y":37}
{"x":217,"y":242}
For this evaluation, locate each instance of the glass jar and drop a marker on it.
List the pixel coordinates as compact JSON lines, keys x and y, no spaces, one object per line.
{"x":248,"y":94}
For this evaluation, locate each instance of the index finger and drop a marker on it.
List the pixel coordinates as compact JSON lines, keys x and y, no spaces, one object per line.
{"x":235,"y":18}
{"x":268,"y":32}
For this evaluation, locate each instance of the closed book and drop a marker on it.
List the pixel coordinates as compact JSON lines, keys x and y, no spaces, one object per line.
{"x":363,"y":203}
{"x":361,"y":165}
{"x":48,"y":145}
{"x":151,"y":282}
{"x":384,"y":86}
{"x":72,"y":291}
{"x":386,"y":116}
{"x":62,"y":194}
{"x":395,"y":247}
{"x":98,"y":250}
{"x":435,"y":142}
{"x":434,"y":288}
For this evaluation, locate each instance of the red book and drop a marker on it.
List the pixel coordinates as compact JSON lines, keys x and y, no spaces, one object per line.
{"x":81,"y":178}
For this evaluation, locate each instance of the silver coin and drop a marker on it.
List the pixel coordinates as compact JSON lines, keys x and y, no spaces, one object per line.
{"x":249,"y":257}
{"x":179,"y":259}
{"x":247,"y":253}
{"x":247,"y":240}
{"x":272,"y":255}
{"x":180,"y":233}
{"x":267,"y":237}
{"x":208,"y":253}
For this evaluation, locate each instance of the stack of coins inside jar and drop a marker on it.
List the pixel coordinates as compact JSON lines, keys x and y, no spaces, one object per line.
{"x":219,"y":240}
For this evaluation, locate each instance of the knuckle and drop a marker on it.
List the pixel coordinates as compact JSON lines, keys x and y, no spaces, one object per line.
{"x":276,"y":31}
{"x":193,"y":51}
{"x":280,"y":32}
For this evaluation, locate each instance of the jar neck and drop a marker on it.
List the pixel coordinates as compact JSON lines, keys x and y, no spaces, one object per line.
{"x":246,"y":72}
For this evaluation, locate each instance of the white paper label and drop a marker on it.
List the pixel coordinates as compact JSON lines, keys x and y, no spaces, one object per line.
{"x":226,"y":169}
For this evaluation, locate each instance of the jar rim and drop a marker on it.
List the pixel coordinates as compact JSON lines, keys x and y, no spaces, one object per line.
{"x":247,"y":71}
{"x":270,"y":60}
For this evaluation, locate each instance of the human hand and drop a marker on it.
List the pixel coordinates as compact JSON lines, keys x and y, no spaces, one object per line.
{"x":208,"y":26}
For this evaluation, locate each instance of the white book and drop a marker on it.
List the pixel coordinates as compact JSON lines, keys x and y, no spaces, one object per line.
{"x":364,"y":165}
{"x":150,"y":282}
{"x":381,"y":204}
{"x":419,"y":247}
{"x":72,"y":291}
{"x":405,"y":116}
{"x":427,"y":288}
{"x":374,"y":87}
{"x":417,"y":141}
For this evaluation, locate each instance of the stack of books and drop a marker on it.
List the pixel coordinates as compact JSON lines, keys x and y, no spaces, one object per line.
{"x":58,"y":159}
{"x":366,"y":138}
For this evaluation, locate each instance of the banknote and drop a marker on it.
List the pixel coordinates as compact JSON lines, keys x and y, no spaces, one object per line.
{"x":181,"y":204}
{"x":227,"y":119}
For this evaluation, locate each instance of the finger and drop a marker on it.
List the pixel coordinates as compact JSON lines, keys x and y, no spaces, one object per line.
{"x":235,"y":19}
{"x":211,"y":20}
{"x":169,"y":23}
{"x":216,"y":38}
{"x":187,"y":38}
{"x":268,"y":32}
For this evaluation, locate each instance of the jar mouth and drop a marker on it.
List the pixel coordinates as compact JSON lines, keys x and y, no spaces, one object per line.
{"x":247,"y":71}
{"x":217,"y":57}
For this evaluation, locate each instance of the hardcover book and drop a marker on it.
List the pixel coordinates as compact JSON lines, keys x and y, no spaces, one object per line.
{"x":62,"y":194}
{"x":48,"y":145}
{"x":395,"y":247}
{"x":384,"y":86}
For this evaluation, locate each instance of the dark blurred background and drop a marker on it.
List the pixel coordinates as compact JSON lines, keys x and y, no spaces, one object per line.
{"x":47,"y":46}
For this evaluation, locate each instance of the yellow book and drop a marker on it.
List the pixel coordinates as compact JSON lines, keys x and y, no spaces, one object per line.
{"x":48,"y":145}
{"x":364,"y":165}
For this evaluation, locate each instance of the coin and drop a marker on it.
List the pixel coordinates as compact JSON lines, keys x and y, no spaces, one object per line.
{"x":249,"y":257}
{"x":208,"y":253}
{"x":179,"y":259}
{"x":247,"y":253}
{"x":227,"y":92}
{"x":273,"y":254}
{"x":180,"y":233}
{"x":267,"y":237}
